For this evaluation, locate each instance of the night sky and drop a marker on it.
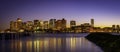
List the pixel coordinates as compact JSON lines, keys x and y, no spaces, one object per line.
{"x":105,"y":12}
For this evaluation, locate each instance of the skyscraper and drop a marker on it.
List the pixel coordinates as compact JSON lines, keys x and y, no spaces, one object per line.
{"x":16,"y":25}
{"x":92,"y":22}
{"x":36,"y":24}
{"x":24,"y":25}
{"x":60,"y":24}
{"x":113,"y":28}
{"x":29,"y":25}
{"x":52,"y":23}
{"x":64,"y":23}
{"x":45,"y":23}
{"x":19,"y":23}
{"x":72,"y":23}
{"x":117,"y":28}
{"x":12,"y":25}
{"x":41,"y":24}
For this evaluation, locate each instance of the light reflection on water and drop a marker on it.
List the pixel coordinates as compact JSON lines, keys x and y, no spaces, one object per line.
{"x":49,"y":44}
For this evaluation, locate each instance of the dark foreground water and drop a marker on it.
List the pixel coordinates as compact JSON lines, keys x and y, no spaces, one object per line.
{"x":69,"y":43}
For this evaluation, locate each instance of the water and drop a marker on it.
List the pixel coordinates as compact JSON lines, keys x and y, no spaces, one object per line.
{"x":37,"y":43}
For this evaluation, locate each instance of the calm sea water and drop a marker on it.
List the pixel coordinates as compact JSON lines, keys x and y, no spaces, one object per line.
{"x":61,"y":43}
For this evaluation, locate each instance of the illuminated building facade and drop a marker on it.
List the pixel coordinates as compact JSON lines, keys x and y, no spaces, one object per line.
{"x":60,"y":24}
{"x":16,"y":25}
{"x":52,"y":23}
{"x":45,"y":25}
{"x":92,"y":22}
{"x":41,"y":24}
{"x":72,"y":23}
{"x":83,"y":28}
{"x":29,"y":25}
{"x":113,"y":28}
{"x":19,"y":23}
{"x":64,"y":23}
{"x":117,"y":28}
{"x":12,"y":25}
{"x":36,"y":24}
{"x":107,"y":29}
{"x":24,"y":25}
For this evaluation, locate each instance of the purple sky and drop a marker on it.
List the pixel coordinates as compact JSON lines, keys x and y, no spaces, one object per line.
{"x":105,"y":12}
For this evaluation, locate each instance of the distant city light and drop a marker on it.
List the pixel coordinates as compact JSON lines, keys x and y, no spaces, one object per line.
{"x":60,"y":25}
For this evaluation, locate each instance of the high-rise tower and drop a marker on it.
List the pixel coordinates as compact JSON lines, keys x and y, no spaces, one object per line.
{"x":92,"y":22}
{"x":72,"y":23}
{"x":52,"y":23}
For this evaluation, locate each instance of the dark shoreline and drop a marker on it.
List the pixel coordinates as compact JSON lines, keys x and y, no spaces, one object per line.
{"x":107,"y":41}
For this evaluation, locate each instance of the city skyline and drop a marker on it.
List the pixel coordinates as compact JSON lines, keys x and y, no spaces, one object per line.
{"x":57,"y":25}
{"x":106,"y":13}
{"x":68,"y":23}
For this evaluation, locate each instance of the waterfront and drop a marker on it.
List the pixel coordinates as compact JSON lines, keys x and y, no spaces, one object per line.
{"x":40,"y":43}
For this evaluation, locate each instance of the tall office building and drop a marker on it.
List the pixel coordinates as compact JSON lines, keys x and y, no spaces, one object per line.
{"x":60,"y":24}
{"x":72,"y":23}
{"x":12,"y":25}
{"x":64,"y":23}
{"x":41,"y":24}
{"x":16,"y":25}
{"x":19,"y":23}
{"x":52,"y":23}
{"x":36,"y":24}
{"x":24,"y":26}
{"x":113,"y":28}
{"x":117,"y":28}
{"x":29,"y":25}
{"x":46,"y":25}
{"x":85,"y":27}
{"x":92,"y":22}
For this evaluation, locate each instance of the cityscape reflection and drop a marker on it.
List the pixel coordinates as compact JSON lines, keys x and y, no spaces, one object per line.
{"x":49,"y":44}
